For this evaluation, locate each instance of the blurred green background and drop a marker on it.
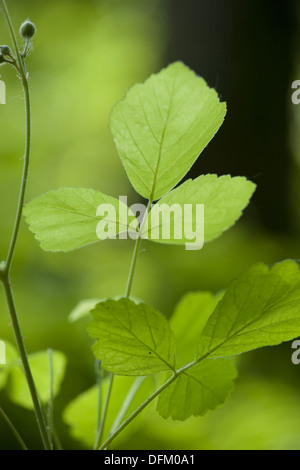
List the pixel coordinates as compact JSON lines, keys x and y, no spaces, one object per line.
{"x":86,"y":55}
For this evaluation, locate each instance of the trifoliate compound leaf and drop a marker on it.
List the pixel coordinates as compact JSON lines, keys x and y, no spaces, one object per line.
{"x":39,"y":363}
{"x":188,"y":320}
{"x":261,"y":308}
{"x":162,"y":126}
{"x":177,"y":218}
{"x":70,"y":218}
{"x":198,"y":390}
{"x":132,"y":339}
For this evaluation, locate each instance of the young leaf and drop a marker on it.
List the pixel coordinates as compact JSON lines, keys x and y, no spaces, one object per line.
{"x":67,"y":219}
{"x":199,"y":389}
{"x":39,"y":363}
{"x":261,"y":308}
{"x":132,"y":339}
{"x":162,"y":126}
{"x":188,"y":321}
{"x":224,"y":199}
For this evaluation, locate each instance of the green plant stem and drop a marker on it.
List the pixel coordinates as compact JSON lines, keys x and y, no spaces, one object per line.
{"x":6,"y":267}
{"x":133,"y":266}
{"x":104,"y":413}
{"x":50,"y":411}
{"x":13,"y":429}
{"x":56,"y":440}
{"x":126,"y":403}
{"x":127,"y":295}
{"x":12,"y":32}
{"x":99,"y":379}
{"x":25,"y":363}
{"x":136,"y":253}
{"x":155,"y":394}
{"x":137,"y":412}
{"x":24,"y":176}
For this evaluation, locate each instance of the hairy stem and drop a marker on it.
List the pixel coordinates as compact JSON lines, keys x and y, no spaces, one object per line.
{"x":6,"y":267}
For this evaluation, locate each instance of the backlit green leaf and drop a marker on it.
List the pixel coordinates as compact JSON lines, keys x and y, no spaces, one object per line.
{"x":175,"y":218}
{"x":67,"y":219}
{"x":18,"y":390}
{"x":132,"y":339}
{"x":188,"y":320}
{"x":162,"y":126}
{"x":199,"y":389}
{"x":82,"y":309}
{"x":261,"y":308}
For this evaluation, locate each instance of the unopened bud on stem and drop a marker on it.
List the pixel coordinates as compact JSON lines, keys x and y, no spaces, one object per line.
{"x":27,"y":29}
{"x":5,"y":50}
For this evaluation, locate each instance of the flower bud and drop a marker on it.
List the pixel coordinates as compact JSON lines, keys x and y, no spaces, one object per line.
{"x":27,"y":29}
{"x":5,"y":50}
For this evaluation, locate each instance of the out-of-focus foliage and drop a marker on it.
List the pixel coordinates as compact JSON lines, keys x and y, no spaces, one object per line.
{"x":86,"y":54}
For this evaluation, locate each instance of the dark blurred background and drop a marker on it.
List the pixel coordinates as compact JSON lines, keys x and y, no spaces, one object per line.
{"x":86,"y":54}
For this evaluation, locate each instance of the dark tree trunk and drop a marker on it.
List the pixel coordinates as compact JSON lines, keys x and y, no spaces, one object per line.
{"x":243,"y":48}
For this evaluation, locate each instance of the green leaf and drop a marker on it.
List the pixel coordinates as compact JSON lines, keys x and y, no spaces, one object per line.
{"x":201,"y":388}
{"x":224,"y":199}
{"x":162,"y":126}
{"x":82,"y":309}
{"x":132,"y":339}
{"x":261,"y":308}
{"x":188,"y":320}
{"x":81,"y":413}
{"x":11,"y":356}
{"x":67,"y":219}
{"x":39,"y":363}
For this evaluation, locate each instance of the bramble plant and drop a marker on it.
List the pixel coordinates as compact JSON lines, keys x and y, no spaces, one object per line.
{"x":159,"y":128}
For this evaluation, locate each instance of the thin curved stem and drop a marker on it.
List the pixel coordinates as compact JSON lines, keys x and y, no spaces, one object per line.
{"x":136,"y":252}
{"x":104,"y":413}
{"x":12,"y":32}
{"x":13,"y":429}
{"x":6,"y":267}
{"x":50,"y":410}
{"x":133,"y":266}
{"x":24,"y":176}
{"x":125,"y":423}
{"x":155,"y":394}
{"x":126,"y":403}
{"x":127,"y":295}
